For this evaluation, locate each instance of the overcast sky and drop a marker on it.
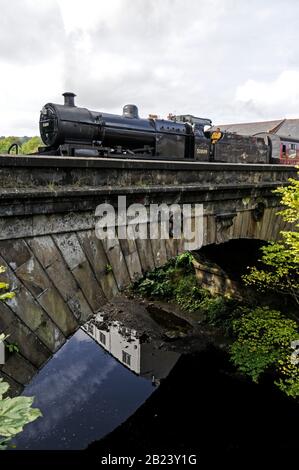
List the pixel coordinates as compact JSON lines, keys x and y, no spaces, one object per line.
{"x":229,"y":60}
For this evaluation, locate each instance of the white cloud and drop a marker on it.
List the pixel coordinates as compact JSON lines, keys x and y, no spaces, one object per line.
{"x":31,"y":31}
{"x":223,"y":59}
{"x":279,"y":97}
{"x":21,"y":92}
{"x":78,"y":15}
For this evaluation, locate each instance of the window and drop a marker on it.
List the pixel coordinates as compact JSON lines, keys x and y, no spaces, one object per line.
{"x":126,"y":358}
{"x":90,"y":328}
{"x":102,"y":337}
{"x":284,"y":150}
{"x":292,"y":146}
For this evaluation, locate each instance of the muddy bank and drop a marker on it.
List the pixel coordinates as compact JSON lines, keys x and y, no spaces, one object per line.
{"x":163,"y":324}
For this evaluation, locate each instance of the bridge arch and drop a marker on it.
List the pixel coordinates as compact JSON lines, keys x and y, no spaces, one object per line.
{"x":62,"y":273}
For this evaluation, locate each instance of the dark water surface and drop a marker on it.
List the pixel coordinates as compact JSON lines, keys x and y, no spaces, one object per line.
{"x":102,"y":392}
{"x":83,"y":393}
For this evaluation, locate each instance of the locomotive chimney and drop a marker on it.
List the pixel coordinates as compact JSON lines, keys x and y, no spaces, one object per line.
{"x":69,"y":99}
{"x":130,"y":111}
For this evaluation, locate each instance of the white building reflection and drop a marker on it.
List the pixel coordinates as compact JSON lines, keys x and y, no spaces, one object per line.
{"x":124,"y":344}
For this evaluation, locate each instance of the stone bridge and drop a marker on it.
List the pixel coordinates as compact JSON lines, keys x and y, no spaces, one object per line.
{"x":62,"y":273}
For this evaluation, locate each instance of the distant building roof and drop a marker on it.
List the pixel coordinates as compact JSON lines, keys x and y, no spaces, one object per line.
{"x":281,"y":127}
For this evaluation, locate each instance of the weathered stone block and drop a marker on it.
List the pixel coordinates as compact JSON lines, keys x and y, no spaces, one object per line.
{"x":50,"y":334}
{"x":24,"y":305}
{"x":98,"y":260}
{"x":58,"y":311}
{"x":6,"y":317}
{"x":19,"y":369}
{"x":130,"y":252}
{"x":159,"y":252}
{"x":60,"y":223}
{"x":63,"y":279}
{"x":44,"y":249}
{"x":70,"y":248}
{"x":30,"y":346}
{"x":237,"y":225}
{"x":15,"y":389}
{"x":15,"y":252}
{"x":144,"y":248}
{"x":66,"y":284}
{"x":80,"y":307}
{"x":265,"y":223}
{"x":273,"y":222}
{"x":89,"y":285}
{"x":180,"y":246}
{"x":33,"y":277}
{"x":27,"y":309}
{"x":170,"y":248}
{"x":15,"y":227}
{"x":211,"y":229}
{"x":117,"y":261}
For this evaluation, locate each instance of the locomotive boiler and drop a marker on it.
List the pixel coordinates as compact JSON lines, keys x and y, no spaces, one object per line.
{"x":72,"y":130}
{"x":68,"y":130}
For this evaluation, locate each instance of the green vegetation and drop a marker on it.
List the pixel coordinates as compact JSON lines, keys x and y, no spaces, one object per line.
{"x":32,"y":145}
{"x":5,"y":286}
{"x":12,"y":347}
{"x":176,"y":282}
{"x":6,"y":142}
{"x":262,"y":343}
{"x":108,"y":269}
{"x":281,"y":260}
{"x":26,"y":144}
{"x":14,"y":412}
{"x":264,"y":336}
{"x":261,"y":337}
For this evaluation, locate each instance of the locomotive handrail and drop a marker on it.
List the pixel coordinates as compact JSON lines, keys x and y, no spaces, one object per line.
{"x":12,"y":146}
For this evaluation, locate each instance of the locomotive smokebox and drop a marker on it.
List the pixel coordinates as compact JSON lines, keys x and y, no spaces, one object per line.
{"x":69,"y":99}
{"x":130,"y":111}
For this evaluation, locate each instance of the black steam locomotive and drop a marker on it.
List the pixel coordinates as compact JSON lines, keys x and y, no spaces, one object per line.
{"x":68,"y":130}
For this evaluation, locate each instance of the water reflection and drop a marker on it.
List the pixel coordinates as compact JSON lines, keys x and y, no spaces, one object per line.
{"x":84,"y":393}
{"x":129,"y":348}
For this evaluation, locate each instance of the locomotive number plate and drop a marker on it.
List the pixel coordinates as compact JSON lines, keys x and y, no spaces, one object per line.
{"x":201,"y":151}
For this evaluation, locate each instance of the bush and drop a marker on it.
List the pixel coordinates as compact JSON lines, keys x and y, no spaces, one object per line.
{"x":263,"y":343}
{"x":280,"y":261}
{"x":14,"y":414}
{"x":220,"y":310}
{"x":177,"y":281}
